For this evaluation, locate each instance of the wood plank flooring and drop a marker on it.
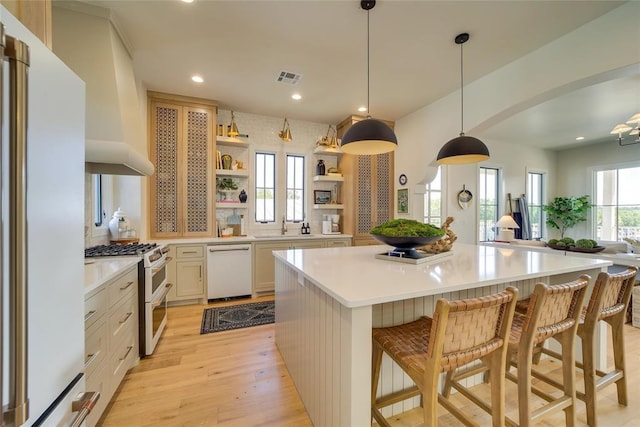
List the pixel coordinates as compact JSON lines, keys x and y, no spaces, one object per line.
{"x":237,"y":378}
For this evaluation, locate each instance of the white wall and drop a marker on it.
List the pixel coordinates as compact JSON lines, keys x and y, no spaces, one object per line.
{"x":561,"y":66}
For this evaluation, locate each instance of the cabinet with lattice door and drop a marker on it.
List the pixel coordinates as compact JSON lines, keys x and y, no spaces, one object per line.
{"x":181,"y":145}
{"x":367,"y":191}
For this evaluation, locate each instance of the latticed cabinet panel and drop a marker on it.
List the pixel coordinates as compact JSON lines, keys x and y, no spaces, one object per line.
{"x":384,"y":188}
{"x":198,"y":172}
{"x":165,"y":134}
{"x":181,"y":148}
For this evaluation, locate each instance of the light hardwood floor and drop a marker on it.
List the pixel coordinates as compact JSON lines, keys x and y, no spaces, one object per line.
{"x":237,"y":378}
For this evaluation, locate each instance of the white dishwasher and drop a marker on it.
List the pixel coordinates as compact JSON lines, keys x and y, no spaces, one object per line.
{"x":228,"y":271}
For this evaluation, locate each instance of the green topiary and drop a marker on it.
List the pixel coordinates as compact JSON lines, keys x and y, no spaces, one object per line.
{"x":406,"y":228}
{"x":568,"y":241}
{"x":584,"y":243}
{"x":565,"y":212}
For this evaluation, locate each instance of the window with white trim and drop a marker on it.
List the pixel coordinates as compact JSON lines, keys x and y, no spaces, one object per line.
{"x":488,"y":203}
{"x":535,"y":201}
{"x":433,"y":201}
{"x":265,"y":187}
{"x":617,"y":204}
{"x":295,"y":188}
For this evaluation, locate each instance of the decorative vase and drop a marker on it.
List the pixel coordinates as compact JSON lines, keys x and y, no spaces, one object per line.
{"x":243,"y":196}
{"x":226,"y":161}
{"x":320,"y":169}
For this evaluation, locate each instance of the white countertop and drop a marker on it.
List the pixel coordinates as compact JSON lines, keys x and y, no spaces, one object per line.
{"x":354,"y":277}
{"x":100,"y":270}
{"x":251,"y":239}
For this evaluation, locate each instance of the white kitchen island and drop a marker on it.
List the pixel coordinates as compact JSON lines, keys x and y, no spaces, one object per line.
{"x":328,"y":300}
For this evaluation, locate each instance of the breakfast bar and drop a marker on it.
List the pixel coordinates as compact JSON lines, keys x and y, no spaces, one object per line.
{"x":328,"y":300}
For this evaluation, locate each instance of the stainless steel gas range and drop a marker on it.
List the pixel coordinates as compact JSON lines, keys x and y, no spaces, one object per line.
{"x":152,"y":287}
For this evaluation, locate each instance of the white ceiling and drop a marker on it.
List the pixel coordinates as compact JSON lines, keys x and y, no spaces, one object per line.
{"x":240,"y":47}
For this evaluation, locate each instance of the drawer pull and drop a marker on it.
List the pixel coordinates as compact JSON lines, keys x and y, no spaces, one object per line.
{"x":125,"y":287}
{"x":127,"y":353}
{"x":90,"y":358}
{"x":83,"y":407}
{"x":189,"y":252}
{"x":89,"y":315}
{"x":126,"y":318}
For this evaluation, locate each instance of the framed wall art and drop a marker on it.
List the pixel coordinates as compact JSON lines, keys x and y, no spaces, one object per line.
{"x":403,"y":200}
{"x":321,"y":197}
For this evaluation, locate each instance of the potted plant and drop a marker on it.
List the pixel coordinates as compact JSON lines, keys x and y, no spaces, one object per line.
{"x":566,"y":212}
{"x":226,"y":186}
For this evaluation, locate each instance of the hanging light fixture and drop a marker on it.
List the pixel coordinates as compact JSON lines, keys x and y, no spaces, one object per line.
{"x":233,"y":128}
{"x":368,"y":136}
{"x":622,"y":128}
{"x":285,"y":133}
{"x":462,"y":149}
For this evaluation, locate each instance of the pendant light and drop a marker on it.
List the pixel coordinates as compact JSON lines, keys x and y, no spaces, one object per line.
{"x":233,"y":128}
{"x":368,"y":136}
{"x":285,"y":133}
{"x":462,"y":149}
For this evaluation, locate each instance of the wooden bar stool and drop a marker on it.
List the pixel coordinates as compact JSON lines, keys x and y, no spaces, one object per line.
{"x":553,"y":311}
{"x":608,"y":303}
{"x":459,"y":332}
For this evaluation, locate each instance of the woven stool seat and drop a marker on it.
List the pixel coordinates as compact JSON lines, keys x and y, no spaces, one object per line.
{"x":460,"y":332}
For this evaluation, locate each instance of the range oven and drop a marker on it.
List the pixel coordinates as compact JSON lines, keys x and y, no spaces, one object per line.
{"x":152,"y":287}
{"x":152,"y":297}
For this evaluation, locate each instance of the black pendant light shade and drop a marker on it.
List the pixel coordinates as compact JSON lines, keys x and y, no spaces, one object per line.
{"x":369,"y":137}
{"x":462,"y":149}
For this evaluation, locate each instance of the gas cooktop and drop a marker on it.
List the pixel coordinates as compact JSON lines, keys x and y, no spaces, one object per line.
{"x":118,"y":250}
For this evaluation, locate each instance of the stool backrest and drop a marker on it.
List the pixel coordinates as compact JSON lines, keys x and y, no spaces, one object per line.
{"x":611,"y":294}
{"x":465,"y":330}
{"x":553,"y":309}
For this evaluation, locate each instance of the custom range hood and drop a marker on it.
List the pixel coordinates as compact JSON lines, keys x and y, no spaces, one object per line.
{"x":114,"y":158}
{"x":87,"y":40}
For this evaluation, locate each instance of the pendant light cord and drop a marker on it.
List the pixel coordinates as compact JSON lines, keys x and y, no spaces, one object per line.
{"x":368,"y":54}
{"x":461,"y":90}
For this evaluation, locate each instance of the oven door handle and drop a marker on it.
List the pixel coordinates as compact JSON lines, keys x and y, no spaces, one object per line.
{"x":157,"y":302}
{"x":166,"y":261}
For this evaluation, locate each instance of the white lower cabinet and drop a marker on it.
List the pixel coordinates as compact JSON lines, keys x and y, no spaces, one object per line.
{"x":111,"y":327}
{"x":186,"y":272}
{"x":264,"y":264}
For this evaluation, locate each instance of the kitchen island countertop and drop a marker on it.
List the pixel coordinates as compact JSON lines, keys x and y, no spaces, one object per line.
{"x":100,"y":270}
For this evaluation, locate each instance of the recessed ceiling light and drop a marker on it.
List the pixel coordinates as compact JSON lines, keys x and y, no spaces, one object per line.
{"x":196,"y":78}
{"x":580,"y":138}
{"x":362,"y":109}
{"x":187,"y":1}
{"x":296,"y":96}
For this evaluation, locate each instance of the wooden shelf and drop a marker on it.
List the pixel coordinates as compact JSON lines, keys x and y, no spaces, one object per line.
{"x":327,"y":150}
{"x":232,"y":142}
{"x":326,"y":178}
{"x":231,"y":172}
{"x":234,"y":205}
{"x":329,"y":206}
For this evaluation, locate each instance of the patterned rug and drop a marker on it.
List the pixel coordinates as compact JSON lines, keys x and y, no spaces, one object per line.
{"x":237,"y":316}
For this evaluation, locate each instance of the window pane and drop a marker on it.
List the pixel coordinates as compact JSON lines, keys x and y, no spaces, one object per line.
{"x":628,"y":186}
{"x":97,"y":200}
{"x":295,"y":188}
{"x":488,"y":203}
{"x":432,"y":201}
{"x":617,"y":203}
{"x":265,"y":189}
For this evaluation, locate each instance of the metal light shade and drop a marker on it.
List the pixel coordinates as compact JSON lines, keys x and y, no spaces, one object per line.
{"x":233,"y":131}
{"x":463,"y":150}
{"x":369,"y":137}
{"x":285,"y":133}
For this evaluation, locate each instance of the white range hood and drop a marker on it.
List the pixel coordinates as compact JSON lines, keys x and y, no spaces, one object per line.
{"x":115,"y":158}
{"x":87,"y":41}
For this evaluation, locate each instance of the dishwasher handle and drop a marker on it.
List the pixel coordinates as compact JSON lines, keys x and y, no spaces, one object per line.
{"x":229,"y":250}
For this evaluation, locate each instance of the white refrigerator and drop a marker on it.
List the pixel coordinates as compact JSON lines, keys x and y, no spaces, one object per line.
{"x":42,"y":233}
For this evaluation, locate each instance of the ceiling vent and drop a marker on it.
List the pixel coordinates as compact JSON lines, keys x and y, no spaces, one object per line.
{"x":289,"y":78}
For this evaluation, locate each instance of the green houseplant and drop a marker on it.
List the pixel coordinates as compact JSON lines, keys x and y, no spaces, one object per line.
{"x":566,"y":212}
{"x":226,"y":184}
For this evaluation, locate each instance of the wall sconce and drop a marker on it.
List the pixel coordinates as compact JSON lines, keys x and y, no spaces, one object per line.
{"x":329,"y":141}
{"x":233,"y":128}
{"x":285,"y":133}
{"x":506,"y":224}
{"x":621,"y":128}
